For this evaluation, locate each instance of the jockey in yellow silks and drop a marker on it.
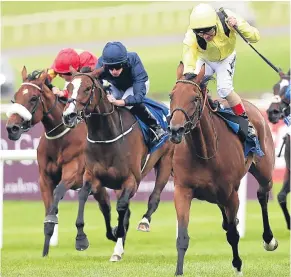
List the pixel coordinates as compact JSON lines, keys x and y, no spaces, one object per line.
{"x":211,"y":40}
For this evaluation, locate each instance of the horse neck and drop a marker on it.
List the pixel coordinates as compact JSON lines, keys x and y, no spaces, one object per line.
{"x":203,"y":138}
{"x":104,"y":127}
{"x":54,"y":118}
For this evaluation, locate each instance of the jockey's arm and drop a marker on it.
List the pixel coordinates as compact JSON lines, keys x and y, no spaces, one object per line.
{"x":139,"y":78}
{"x":189,"y":52}
{"x":251,"y":33}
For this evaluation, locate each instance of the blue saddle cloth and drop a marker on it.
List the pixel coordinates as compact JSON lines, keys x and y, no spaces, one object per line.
{"x":250,"y":144}
{"x":160,"y":112}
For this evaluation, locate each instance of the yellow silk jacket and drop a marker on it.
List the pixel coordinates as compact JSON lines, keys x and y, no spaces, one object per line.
{"x":220,"y":47}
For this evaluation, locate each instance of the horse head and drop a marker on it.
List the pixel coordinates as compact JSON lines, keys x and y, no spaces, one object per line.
{"x":85,"y":94}
{"x":276,"y":108}
{"x":28,"y":106}
{"x":187,"y":104}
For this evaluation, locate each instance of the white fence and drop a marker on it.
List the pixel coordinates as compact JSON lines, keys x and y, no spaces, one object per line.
{"x":126,"y":19}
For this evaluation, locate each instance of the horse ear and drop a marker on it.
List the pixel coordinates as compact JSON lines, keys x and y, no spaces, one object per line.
{"x":180,"y":70}
{"x":73,"y":70}
{"x":43,"y":76}
{"x":24,"y":73}
{"x":97,"y":72}
{"x":201,"y":74}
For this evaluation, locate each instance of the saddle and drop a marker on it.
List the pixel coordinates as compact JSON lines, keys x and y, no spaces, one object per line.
{"x":239,"y":126}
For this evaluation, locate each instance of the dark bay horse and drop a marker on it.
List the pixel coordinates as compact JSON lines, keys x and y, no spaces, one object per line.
{"x":116,"y":155}
{"x":275,"y":113}
{"x":209,"y":162}
{"x":60,"y":153}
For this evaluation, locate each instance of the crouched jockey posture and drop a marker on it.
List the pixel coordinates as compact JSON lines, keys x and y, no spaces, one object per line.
{"x":77,"y":58}
{"x":129,"y":84}
{"x":211,"y":40}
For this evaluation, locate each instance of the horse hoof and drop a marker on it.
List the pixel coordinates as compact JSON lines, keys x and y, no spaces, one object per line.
{"x":82,"y":244}
{"x":272,"y":245}
{"x":144,"y":225}
{"x":236,"y":272}
{"x":115,"y":258}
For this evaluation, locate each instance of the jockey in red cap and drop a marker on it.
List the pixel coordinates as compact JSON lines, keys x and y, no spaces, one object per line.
{"x":67,"y":57}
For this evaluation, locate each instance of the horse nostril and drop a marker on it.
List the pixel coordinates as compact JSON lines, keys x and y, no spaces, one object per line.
{"x":13,"y":129}
{"x":72,"y":115}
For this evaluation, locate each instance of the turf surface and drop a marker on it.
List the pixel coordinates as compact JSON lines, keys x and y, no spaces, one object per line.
{"x":146,"y":254}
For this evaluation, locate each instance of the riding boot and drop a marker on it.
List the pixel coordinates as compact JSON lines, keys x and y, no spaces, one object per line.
{"x":239,"y":110}
{"x":148,"y":118}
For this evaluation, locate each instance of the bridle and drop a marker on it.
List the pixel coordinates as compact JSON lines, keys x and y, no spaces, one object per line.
{"x":27,"y":124}
{"x":190,"y":124}
{"x":82,"y":113}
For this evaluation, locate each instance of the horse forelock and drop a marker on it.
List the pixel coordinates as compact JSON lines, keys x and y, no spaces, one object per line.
{"x":34,"y":75}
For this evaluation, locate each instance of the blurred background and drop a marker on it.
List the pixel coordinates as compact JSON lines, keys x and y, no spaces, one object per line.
{"x":32,"y":35}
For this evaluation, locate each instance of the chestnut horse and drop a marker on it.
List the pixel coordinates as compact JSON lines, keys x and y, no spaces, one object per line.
{"x":116,"y":154}
{"x":275,"y":113}
{"x":60,"y":153}
{"x":209,"y":162}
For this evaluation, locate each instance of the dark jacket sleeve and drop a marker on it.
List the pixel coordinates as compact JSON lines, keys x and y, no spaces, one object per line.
{"x":139,"y":76}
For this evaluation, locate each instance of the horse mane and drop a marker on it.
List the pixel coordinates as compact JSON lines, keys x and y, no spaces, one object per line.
{"x":34,"y":75}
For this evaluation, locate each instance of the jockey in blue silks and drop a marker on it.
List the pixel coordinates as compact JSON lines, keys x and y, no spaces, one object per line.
{"x":129,"y":83}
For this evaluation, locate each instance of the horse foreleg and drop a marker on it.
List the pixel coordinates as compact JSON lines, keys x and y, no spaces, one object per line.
{"x":232,"y":234}
{"x":163,"y":172}
{"x":224,"y":217}
{"x":103,"y":200}
{"x":82,"y":242}
{"x":46,"y":188}
{"x":182,"y":198}
{"x":283,"y":195}
{"x":122,"y":208}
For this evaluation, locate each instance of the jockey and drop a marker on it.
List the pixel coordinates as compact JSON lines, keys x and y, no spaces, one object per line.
{"x":67,"y":57}
{"x":129,"y":83}
{"x":211,"y":40}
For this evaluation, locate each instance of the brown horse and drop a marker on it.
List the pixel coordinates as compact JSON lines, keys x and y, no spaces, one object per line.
{"x":115,"y":153}
{"x":209,"y":163}
{"x":275,"y":113}
{"x":60,"y":153}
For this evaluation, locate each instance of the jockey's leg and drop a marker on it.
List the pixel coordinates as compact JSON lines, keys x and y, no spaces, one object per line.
{"x":225,"y":72}
{"x":238,"y":108}
{"x":145,"y":115}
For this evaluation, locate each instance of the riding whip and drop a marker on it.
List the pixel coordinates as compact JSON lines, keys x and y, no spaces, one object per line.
{"x":242,"y":36}
{"x":283,"y":143}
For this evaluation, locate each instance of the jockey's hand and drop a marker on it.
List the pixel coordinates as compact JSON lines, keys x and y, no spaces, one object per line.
{"x":232,"y":22}
{"x":189,"y":76}
{"x":60,"y":93}
{"x":111,"y":98}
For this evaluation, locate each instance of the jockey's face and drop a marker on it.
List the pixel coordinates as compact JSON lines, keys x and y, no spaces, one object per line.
{"x":208,"y":36}
{"x":67,"y":77}
{"x":115,"y":72}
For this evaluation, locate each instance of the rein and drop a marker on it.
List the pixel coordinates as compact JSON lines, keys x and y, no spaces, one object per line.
{"x":89,"y":102}
{"x":83,"y":115}
{"x":190,"y":119}
{"x":34,"y":109}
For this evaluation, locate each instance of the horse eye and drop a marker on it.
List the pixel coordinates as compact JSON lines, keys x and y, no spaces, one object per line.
{"x":33,"y":98}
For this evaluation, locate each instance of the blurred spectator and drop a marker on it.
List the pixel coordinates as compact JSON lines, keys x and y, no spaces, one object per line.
{"x":7,"y":78}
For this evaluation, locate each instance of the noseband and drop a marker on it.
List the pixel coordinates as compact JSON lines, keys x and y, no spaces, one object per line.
{"x":27,"y":124}
{"x":197,"y":113}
